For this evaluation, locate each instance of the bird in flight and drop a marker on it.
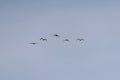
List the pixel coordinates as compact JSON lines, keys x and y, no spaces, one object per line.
{"x":33,"y":43}
{"x":80,"y":39}
{"x":43,"y":39}
{"x":66,"y":40}
{"x":56,"y":35}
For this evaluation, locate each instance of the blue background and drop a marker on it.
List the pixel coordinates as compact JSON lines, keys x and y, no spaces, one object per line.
{"x":25,"y":21}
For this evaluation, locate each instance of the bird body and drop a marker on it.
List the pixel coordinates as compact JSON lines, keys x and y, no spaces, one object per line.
{"x":56,"y":35}
{"x":33,"y":43}
{"x":43,"y":39}
{"x":80,"y":39}
{"x":66,"y":40}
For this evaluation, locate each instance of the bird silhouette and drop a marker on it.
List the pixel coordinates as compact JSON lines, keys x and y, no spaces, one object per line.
{"x":66,"y":40}
{"x":33,"y":43}
{"x":43,"y":39}
{"x":80,"y":39}
{"x":56,"y":35}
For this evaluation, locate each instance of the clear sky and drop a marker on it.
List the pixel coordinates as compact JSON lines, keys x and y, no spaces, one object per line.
{"x":25,"y":21}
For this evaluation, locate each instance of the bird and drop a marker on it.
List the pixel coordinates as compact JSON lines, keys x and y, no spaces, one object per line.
{"x":80,"y":39}
{"x":66,"y":40}
{"x":43,"y":39}
{"x":33,"y":43}
{"x":56,"y":35}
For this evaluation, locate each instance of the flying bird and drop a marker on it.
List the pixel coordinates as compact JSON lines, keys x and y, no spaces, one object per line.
{"x":43,"y":39}
{"x":56,"y":35}
{"x":80,"y":39}
{"x":66,"y":40}
{"x":33,"y":43}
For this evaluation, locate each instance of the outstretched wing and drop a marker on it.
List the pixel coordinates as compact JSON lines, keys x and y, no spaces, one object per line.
{"x":80,"y":39}
{"x":33,"y":43}
{"x":66,"y":40}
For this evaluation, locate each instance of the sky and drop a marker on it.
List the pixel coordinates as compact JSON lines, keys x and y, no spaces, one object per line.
{"x":25,"y":21}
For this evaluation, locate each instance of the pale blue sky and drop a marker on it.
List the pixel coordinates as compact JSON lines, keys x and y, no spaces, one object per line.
{"x":23,"y":21}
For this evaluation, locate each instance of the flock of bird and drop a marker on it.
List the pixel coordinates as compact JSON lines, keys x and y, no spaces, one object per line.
{"x":56,"y":35}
